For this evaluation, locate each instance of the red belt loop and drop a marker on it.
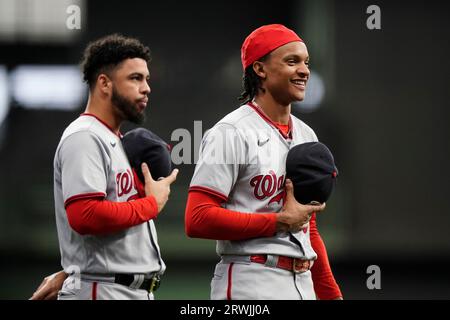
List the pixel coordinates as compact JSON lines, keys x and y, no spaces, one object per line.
{"x":94,"y":290}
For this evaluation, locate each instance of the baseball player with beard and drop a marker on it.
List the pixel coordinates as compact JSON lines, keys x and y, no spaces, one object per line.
{"x":268,"y":242}
{"x":108,"y":242}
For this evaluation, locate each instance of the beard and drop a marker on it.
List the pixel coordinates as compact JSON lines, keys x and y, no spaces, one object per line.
{"x":128,"y":109}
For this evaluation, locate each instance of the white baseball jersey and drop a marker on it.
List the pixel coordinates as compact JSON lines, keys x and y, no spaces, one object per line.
{"x":243,"y":161}
{"x":90,"y":161}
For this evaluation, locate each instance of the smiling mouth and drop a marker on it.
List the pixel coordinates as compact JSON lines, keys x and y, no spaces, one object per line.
{"x":301,"y":84}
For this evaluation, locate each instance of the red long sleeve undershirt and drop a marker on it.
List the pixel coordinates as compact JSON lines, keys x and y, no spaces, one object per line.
{"x":98,"y":216}
{"x":205,"y":218}
{"x":325,"y":285}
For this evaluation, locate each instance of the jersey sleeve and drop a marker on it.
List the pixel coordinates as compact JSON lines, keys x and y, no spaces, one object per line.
{"x":315,"y":139}
{"x":222,"y":151}
{"x":84,"y":164}
{"x":306,"y":133}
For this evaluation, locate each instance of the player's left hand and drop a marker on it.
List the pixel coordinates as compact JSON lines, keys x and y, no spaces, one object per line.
{"x":50,"y":286}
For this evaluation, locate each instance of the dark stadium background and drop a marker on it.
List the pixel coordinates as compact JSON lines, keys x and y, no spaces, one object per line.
{"x":384,"y":115}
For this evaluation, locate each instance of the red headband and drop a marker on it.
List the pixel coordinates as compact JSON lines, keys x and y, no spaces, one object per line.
{"x":264,"y":40}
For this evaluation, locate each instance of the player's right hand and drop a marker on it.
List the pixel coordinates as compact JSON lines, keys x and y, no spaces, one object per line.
{"x":294,"y":215}
{"x":50,"y":286}
{"x":159,"y":189}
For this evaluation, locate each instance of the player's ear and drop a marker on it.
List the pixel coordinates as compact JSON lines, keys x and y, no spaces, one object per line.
{"x":258,"y":68}
{"x":104,"y":83}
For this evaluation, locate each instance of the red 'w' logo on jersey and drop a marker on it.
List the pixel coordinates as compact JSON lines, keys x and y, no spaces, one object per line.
{"x":124,"y":181}
{"x":266,"y":186}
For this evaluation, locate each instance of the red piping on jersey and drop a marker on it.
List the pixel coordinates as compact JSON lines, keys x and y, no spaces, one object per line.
{"x":230,"y":275}
{"x":103,"y":122}
{"x":94,"y":290}
{"x":272,"y":123}
{"x":84,"y":196}
{"x":210,"y":191}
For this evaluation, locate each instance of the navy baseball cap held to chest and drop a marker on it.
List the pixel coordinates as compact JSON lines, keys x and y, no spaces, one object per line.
{"x":142,"y":145}
{"x":313,"y":172}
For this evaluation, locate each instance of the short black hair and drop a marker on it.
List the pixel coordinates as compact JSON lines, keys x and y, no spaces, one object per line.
{"x":251,"y":83}
{"x":101,"y":55}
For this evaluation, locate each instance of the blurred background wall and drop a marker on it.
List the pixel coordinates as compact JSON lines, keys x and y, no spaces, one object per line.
{"x":377,"y":98}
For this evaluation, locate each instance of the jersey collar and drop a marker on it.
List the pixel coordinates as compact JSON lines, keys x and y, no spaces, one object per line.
{"x":103,"y":122}
{"x":261,"y":113}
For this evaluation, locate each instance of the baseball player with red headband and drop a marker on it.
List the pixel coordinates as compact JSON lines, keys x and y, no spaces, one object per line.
{"x":268,"y":242}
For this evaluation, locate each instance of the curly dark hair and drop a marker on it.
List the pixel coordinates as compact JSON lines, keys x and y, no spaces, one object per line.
{"x":251,"y":83}
{"x":102,"y":55}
